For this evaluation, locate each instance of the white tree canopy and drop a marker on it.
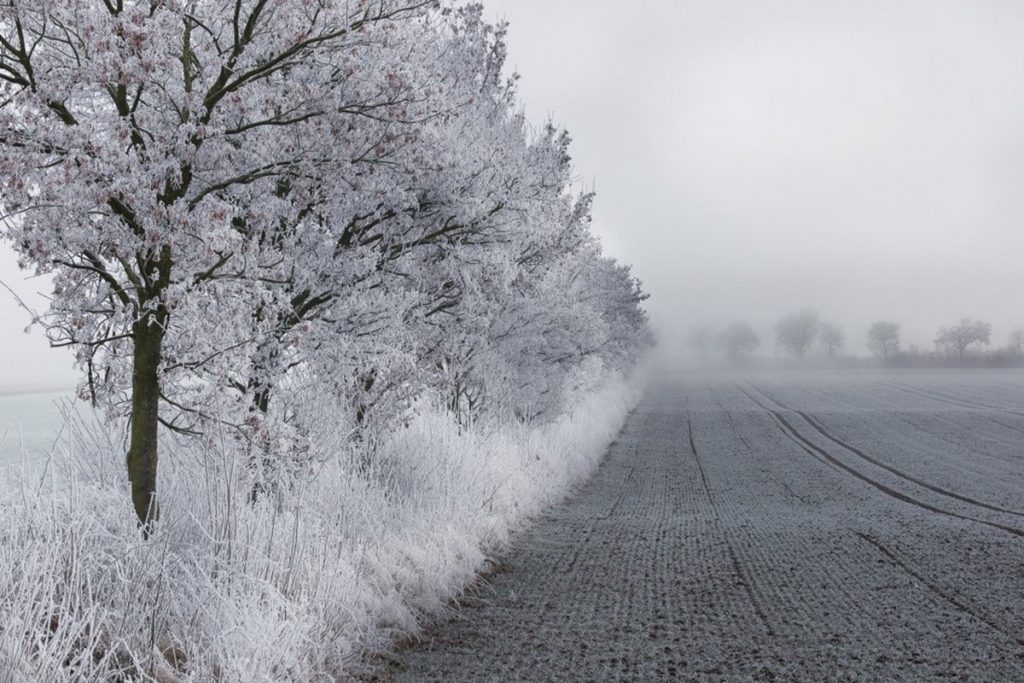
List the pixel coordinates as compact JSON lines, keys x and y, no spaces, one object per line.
{"x":258,"y":210}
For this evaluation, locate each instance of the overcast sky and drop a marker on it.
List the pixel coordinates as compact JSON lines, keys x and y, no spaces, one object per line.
{"x":864,"y":158}
{"x":751,"y":157}
{"x":26,"y":360}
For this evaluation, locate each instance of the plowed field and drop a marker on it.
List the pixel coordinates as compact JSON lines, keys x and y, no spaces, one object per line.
{"x":825,"y":527}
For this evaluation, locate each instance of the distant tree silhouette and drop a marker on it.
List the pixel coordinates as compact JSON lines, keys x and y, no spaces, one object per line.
{"x":1016,"y":344}
{"x":832,"y":338}
{"x":884,"y":339}
{"x":958,"y":338}
{"x":738,"y":340}
{"x":797,"y":331}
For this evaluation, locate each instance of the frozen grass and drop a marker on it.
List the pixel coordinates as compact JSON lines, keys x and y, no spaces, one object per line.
{"x":302,"y":588}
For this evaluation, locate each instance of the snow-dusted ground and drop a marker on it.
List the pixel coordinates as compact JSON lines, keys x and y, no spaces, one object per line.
{"x":827,"y":527}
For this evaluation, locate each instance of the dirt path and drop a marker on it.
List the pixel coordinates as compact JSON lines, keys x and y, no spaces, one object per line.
{"x":731,"y":534}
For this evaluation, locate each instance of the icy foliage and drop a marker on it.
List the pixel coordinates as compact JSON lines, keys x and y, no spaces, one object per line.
{"x":313,"y":254}
{"x":257,"y":212}
{"x":298,"y":588}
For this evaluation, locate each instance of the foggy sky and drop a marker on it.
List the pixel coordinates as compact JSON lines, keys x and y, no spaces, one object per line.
{"x":862,"y":158}
{"x":26,"y":360}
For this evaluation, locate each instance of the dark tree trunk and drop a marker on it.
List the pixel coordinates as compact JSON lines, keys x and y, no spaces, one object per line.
{"x":148,"y":337}
{"x":261,"y":397}
{"x":369,"y":378}
{"x":258,"y":456}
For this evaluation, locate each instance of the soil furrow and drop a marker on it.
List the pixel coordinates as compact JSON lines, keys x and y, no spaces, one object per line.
{"x":741,"y":576}
{"x":888,"y":490}
{"x":950,"y":400}
{"x":746,"y":445}
{"x":938,"y":590}
{"x":885,"y":466}
{"x":698,"y":566}
{"x":1011,"y":460}
{"x":942,"y":398}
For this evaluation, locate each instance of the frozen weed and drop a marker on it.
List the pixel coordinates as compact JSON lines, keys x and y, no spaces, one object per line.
{"x":304,"y":586}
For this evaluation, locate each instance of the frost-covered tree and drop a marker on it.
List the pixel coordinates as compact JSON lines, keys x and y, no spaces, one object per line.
{"x":832,"y":338}
{"x":959,"y":338}
{"x":532,"y":311}
{"x":369,"y":274}
{"x":884,"y":339}
{"x":151,"y":154}
{"x":582,"y":320}
{"x":1016,"y":342}
{"x":428,"y":287}
{"x":738,"y":340}
{"x":258,"y":211}
{"x":797,"y":331}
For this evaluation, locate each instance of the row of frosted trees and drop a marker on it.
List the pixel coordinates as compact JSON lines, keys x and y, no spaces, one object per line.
{"x":800,"y":332}
{"x":255,"y":211}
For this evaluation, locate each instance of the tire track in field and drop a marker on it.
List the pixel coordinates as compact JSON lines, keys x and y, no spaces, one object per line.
{"x":1007,"y":426}
{"x":782,"y":426}
{"x":746,"y":444}
{"x":950,"y":400}
{"x":1011,"y":460}
{"x":970,"y":401}
{"x":784,"y":608}
{"x":944,"y":398}
{"x":885,"y":466}
{"x":938,"y":590}
{"x":898,"y":495}
{"x":658,"y":591}
{"x":744,"y":581}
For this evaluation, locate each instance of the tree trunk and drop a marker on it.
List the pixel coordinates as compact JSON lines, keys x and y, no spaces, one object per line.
{"x":259,"y":460}
{"x":261,"y":397}
{"x":148,"y":335}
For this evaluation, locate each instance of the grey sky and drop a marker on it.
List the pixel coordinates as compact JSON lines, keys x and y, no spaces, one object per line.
{"x":26,"y":360}
{"x":865,"y":158}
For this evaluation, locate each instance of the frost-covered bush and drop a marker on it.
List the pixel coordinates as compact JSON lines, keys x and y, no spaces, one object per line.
{"x":299,"y":587}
